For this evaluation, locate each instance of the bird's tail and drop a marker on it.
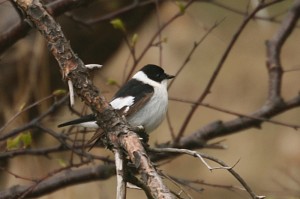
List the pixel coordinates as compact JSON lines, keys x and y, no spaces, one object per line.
{"x":86,"y":118}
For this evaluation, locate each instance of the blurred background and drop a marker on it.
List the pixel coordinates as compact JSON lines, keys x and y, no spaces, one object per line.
{"x":268,"y":158}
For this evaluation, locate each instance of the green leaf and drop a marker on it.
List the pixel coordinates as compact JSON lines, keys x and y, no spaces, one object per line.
{"x":165,"y":40}
{"x":26,"y":139}
{"x":118,"y":24}
{"x":22,"y":140}
{"x":112,"y":82}
{"x":13,"y":143}
{"x":59,"y":92}
{"x":181,"y":7}
{"x":134,"y":39}
{"x":62,"y":162}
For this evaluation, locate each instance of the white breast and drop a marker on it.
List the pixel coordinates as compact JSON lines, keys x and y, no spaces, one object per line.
{"x":153,"y":113}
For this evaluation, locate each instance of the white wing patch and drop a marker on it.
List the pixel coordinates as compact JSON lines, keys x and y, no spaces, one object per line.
{"x":122,"y":102}
{"x":91,"y":124}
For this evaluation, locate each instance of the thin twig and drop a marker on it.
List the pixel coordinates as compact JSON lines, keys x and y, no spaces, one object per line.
{"x":192,"y":51}
{"x":71,"y":90}
{"x":121,"y":181}
{"x":24,"y":110}
{"x":160,"y":46}
{"x":156,"y":34}
{"x":211,"y":81}
{"x":34,"y":121}
{"x":294,"y":126}
{"x":185,"y":62}
{"x":69,"y":177}
{"x":224,"y":165}
{"x":177,"y":184}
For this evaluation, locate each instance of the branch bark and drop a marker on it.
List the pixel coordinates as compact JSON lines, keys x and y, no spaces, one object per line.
{"x":274,"y":47}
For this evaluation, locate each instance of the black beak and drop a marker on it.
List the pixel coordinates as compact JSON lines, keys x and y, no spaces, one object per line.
{"x":169,"y":76}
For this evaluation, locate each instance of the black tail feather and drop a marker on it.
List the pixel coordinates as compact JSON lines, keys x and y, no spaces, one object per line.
{"x":86,"y":118}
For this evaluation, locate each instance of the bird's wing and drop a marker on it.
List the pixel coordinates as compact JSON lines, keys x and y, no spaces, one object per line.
{"x":83,"y":119}
{"x":123,"y":102}
{"x":127,"y":111}
{"x":132,"y":97}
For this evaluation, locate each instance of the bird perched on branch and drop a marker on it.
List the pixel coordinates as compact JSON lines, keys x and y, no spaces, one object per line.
{"x":143,"y":100}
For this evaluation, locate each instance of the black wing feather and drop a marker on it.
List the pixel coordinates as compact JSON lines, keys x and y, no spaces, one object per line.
{"x":134,"y":88}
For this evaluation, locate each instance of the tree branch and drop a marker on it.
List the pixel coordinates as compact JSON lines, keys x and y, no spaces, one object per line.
{"x":51,"y":184}
{"x":274,"y":47}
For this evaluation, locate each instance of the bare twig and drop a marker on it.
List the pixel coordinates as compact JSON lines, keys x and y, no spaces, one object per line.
{"x":36,"y":120}
{"x":187,"y":182}
{"x":133,"y":5}
{"x":121,"y":181}
{"x":274,"y":47}
{"x":49,"y":150}
{"x":224,"y":165}
{"x":216,"y":129}
{"x":210,"y":83}
{"x":160,"y":46}
{"x":156,"y":34}
{"x":294,"y":126}
{"x":71,"y":90}
{"x":56,"y":182}
{"x":192,"y":51}
{"x":17,"y":175}
{"x":24,"y":110}
{"x":177,"y":185}
{"x":185,"y":62}
{"x":239,"y":12}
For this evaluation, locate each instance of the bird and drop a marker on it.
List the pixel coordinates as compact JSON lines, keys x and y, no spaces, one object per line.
{"x":143,"y":100}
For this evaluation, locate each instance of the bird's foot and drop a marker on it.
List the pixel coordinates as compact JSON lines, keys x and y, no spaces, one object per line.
{"x":142,"y":133}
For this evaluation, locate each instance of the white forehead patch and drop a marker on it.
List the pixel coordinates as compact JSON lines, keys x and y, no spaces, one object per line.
{"x":121,"y":102}
{"x":141,"y":76}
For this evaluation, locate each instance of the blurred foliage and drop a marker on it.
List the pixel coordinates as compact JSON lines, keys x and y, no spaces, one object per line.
{"x":23,"y":140}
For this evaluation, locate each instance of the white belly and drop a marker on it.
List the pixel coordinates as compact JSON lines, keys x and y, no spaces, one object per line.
{"x":153,"y":113}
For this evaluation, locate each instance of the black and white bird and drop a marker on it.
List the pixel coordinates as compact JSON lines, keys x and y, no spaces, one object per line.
{"x":143,"y":100}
